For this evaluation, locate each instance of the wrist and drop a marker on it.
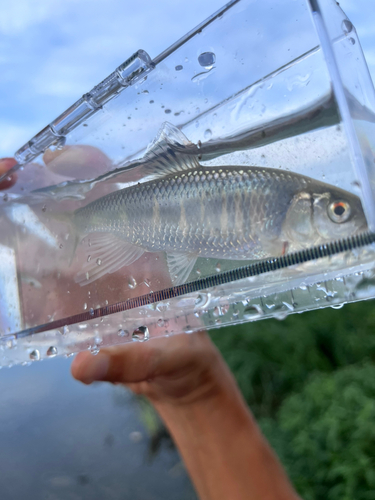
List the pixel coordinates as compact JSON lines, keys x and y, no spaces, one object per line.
{"x":222,"y":446}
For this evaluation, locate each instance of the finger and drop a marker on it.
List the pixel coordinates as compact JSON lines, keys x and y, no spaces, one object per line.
{"x":139,"y":362}
{"x":5,"y":165}
{"x":80,"y":162}
{"x":126,"y":364}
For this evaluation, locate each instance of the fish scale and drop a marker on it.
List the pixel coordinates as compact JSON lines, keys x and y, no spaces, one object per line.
{"x":238,"y":206}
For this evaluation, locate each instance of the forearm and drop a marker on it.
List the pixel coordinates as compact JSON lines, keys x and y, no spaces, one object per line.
{"x":223,"y":449}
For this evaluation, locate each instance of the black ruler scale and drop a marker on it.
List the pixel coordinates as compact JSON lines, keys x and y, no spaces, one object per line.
{"x":254,"y":269}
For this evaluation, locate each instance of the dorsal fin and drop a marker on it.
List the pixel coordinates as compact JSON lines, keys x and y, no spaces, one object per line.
{"x":167,"y":155}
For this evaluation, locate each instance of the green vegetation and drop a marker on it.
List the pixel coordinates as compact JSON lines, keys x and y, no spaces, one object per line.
{"x":310,"y":381}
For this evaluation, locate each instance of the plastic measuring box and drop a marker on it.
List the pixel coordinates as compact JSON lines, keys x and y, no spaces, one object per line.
{"x":260,"y":90}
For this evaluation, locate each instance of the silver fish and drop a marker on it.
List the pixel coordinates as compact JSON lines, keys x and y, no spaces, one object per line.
{"x":188,"y":211}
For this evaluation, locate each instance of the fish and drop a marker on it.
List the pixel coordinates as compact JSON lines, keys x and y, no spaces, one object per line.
{"x":188,"y":211}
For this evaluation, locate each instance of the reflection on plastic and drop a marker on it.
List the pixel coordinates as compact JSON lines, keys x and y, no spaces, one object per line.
{"x":10,"y":312}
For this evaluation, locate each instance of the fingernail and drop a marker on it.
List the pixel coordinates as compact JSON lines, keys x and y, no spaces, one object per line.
{"x":97,"y":368}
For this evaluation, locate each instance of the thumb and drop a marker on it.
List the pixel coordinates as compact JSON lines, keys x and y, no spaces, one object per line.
{"x":123,"y":363}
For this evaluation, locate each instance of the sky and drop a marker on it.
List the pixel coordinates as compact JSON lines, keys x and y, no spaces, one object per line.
{"x":51,"y":51}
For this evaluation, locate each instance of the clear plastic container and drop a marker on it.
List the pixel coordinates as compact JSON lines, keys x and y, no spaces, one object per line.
{"x":229,"y":179}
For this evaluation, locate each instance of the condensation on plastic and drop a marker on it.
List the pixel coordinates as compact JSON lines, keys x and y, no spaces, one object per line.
{"x":274,"y":84}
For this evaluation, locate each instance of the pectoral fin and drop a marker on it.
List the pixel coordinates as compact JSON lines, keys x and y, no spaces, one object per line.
{"x":106,"y":254}
{"x":180,"y":266}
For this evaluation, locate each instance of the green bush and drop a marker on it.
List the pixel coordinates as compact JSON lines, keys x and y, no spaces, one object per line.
{"x":271,"y":359}
{"x":325,"y":435}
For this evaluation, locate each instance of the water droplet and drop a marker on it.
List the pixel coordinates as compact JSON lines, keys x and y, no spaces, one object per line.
{"x":5,"y":197}
{"x":65,"y":330}
{"x":218,"y":267}
{"x":160,"y":322}
{"x":99,"y":261}
{"x":225,"y":308}
{"x":199,"y":272}
{"x":61,"y":245}
{"x":352,"y":41}
{"x":217,"y":312}
{"x":52,"y":351}
{"x":202,"y":301}
{"x":280,"y":315}
{"x":162,"y":306}
{"x":11,"y":343}
{"x":123,"y":333}
{"x":288,"y":306}
{"x":84,"y":306}
{"x":91,"y":311}
{"x":179,"y":67}
{"x":207,"y":134}
{"x":207,"y":59}
{"x":141,"y":334}
{"x":132,"y":283}
{"x":236,"y":313}
{"x":167,"y":111}
{"x":44,"y":208}
{"x":144,"y":92}
{"x":152,"y":102}
{"x":35,"y":355}
{"x":347,"y":26}
{"x":94,"y":350}
{"x":88,"y":258}
{"x":253,"y":311}
{"x":337,"y":306}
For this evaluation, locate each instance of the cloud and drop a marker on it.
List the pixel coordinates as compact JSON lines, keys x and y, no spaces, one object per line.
{"x":12,"y":137}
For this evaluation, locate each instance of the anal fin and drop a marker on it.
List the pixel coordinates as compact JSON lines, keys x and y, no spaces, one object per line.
{"x":106,"y":254}
{"x":180,"y":266}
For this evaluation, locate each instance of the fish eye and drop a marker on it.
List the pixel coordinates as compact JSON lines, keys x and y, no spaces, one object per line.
{"x":339,"y":211}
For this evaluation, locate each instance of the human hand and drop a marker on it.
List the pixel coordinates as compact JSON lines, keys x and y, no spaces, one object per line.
{"x":180,"y":369}
{"x":5,"y":165}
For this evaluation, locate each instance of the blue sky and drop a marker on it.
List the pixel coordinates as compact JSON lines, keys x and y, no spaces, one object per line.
{"x":51,"y":51}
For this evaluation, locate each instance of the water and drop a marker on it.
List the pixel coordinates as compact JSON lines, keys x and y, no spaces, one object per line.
{"x":43,"y":259}
{"x":47,"y":273}
{"x":81,"y":440}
